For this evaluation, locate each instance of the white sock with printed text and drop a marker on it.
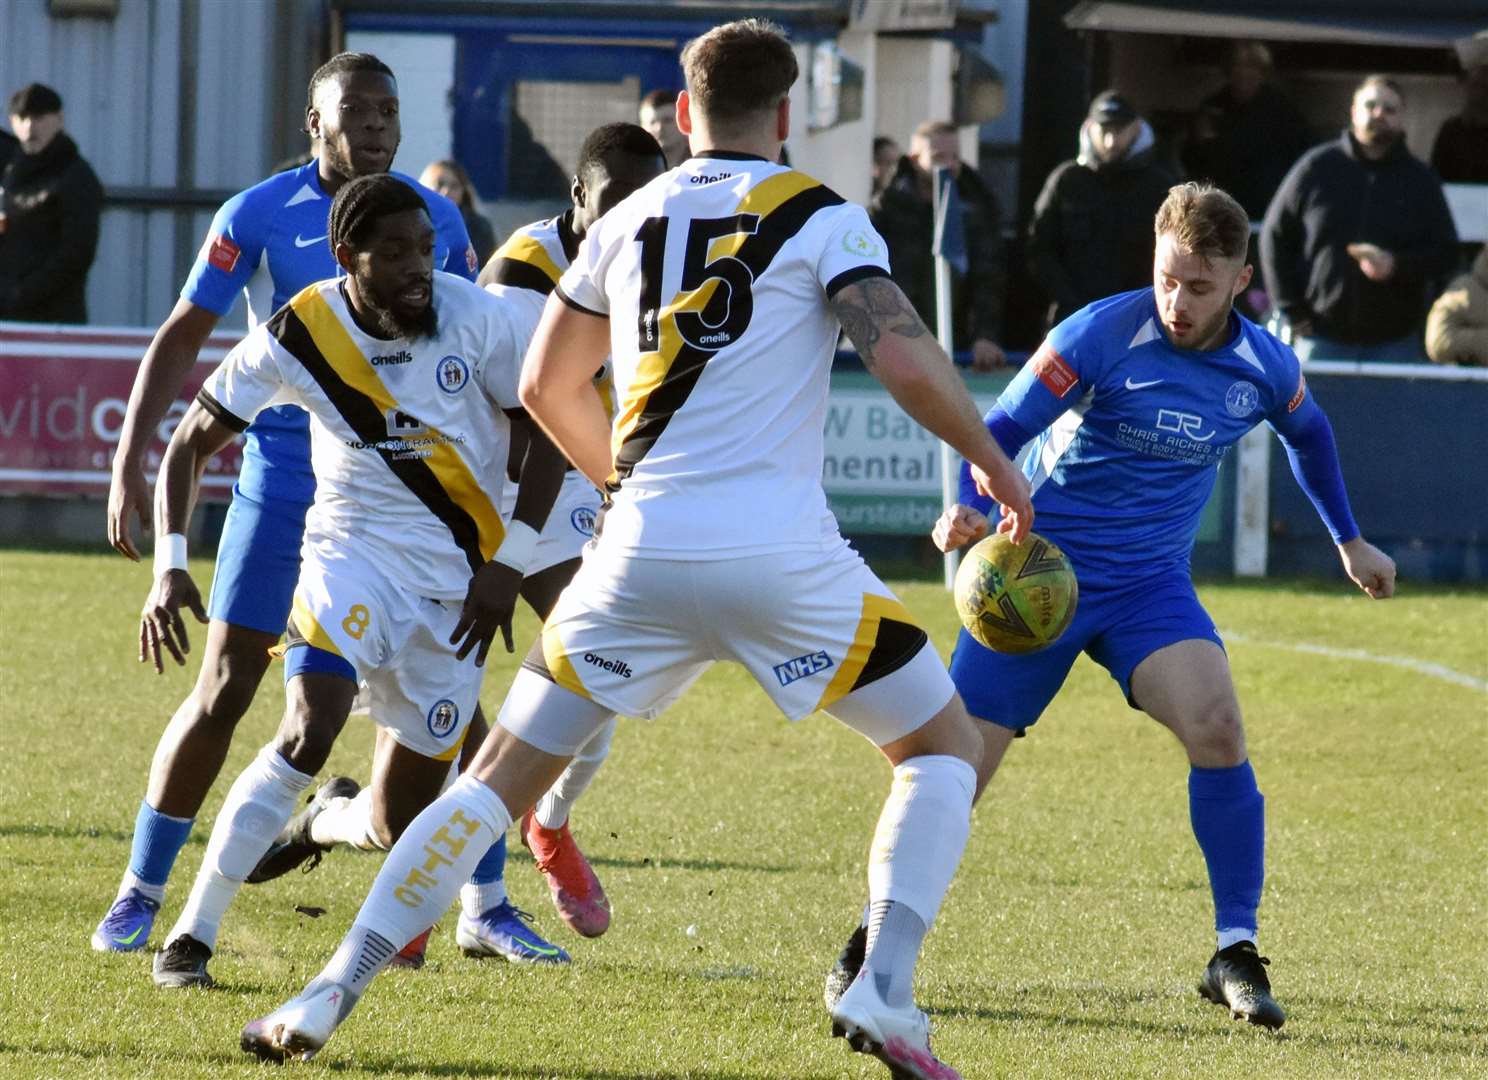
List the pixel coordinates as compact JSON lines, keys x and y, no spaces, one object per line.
{"x":431,"y":860}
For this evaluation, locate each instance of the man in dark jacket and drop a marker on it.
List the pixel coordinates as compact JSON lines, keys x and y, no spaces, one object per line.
{"x":1091,"y":234}
{"x":1358,"y":238}
{"x":48,"y":216}
{"x":903,"y":213}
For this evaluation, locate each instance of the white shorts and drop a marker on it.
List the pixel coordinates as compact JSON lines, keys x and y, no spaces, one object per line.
{"x":570,"y":525}
{"x":812,"y":627}
{"x":398,"y":645}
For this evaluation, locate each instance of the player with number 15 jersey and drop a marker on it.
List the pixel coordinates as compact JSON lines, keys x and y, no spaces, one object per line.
{"x":723,"y":245}
{"x":718,"y":290}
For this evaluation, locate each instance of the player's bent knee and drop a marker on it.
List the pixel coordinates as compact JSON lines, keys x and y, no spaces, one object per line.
{"x":950,"y":732}
{"x":1215,"y":735}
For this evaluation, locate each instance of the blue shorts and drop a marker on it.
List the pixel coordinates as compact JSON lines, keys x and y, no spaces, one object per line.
{"x":258,"y":563}
{"x":1119,"y":627}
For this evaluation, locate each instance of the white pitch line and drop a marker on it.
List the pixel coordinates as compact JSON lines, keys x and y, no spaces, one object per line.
{"x":1436,"y":671}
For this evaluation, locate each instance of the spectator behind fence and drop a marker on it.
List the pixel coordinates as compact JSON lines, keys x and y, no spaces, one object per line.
{"x":886,"y":155}
{"x":658,"y":115}
{"x":904,"y":215}
{"x":1247,"y":135}
{"x":449,"y":178}
{"x":1091,"y":234}
{"x":50,"y":202}
{"x":1457,"y":325}
{"x":1460,"y":153}
{"x":1358,"y":238}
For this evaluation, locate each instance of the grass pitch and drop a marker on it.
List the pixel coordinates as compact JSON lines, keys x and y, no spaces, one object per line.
{"x":1069,"y":945}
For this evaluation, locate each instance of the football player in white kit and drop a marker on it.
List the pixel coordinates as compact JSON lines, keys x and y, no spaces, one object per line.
{"x":614,"y":160}
{"x":718,"y":289}
{"x":408,"y":375}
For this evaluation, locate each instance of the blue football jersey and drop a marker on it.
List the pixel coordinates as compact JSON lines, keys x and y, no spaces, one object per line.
{"x":269,"y":242}
{"x":1130,"y":430}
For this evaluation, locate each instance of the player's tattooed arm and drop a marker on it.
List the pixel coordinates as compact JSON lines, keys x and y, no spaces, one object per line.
{"x":871,"y":309}
{"x":901,"y":354}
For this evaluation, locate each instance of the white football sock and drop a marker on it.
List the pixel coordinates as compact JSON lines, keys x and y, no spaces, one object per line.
{"x":895,"y":934}
{"x":426,"y":867}
{"x":258,"y":806}
{"x":917,"y":846}
{"x":1232,"y":935}
{"x":478,"y":898}
{"x":347,"y":821}
{"x":553,"y":808}
{"x":130,"y":881}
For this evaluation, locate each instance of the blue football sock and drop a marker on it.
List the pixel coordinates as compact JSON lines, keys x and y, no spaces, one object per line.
{"x":1229,"y":821}
{"x":157,"y":841}
{"x":492,"y":865}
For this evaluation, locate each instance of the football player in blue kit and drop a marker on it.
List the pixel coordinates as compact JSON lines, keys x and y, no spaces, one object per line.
{"x":1130,"y":404}
{"x":267,"y":242}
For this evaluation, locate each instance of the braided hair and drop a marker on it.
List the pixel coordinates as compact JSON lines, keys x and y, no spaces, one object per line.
{"x":341,"y":64}
{"x":360,"y":202}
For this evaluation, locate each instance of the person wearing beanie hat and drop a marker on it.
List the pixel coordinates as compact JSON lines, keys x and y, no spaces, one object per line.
{"x":50,"y":202}
{"x":1091,"y":233}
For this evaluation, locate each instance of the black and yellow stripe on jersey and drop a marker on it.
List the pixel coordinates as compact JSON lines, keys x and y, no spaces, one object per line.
{"x":528,"y":259}
{"x":665,"y":377}
{"x":310,"y":331}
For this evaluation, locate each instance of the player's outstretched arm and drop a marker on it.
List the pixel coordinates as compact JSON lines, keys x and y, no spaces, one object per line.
{"x":196,"y":439}
{"x":900,"y":352}
{"x":1368,"y":567}
{"x":162,"y":371}
{"x":557,"y":386}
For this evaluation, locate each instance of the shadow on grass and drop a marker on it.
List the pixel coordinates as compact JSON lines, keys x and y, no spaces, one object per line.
{"x":208,"y":1058}
{"x":388,"y":1067}
{"x":648,"y":863}
{"x":1445,"y":1029}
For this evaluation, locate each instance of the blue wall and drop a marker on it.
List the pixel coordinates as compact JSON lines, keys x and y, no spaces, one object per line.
{"x":1415,"y":457}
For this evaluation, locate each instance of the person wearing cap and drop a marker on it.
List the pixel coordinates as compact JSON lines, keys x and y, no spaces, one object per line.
{"x":50,"y":202}
{"x":1091,"y":233}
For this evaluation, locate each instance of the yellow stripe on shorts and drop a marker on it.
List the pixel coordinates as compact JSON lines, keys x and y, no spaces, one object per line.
{"x":875,"y":610}
{"x":309,"y":627}
{"x":559,"y":667}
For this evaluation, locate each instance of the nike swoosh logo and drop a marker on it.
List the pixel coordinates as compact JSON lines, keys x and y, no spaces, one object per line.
{"x":130,"y":939}
{"x":301,"y":242}
{"x":1140,"y":385}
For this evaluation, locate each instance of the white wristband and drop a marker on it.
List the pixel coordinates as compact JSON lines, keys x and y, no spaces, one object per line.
{"x":517,"y":547}
{"x":170,"y":553}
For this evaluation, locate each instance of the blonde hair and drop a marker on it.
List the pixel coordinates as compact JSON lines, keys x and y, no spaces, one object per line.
{"x":1204,"y":220}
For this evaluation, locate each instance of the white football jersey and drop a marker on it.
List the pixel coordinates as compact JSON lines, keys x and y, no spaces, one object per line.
{"x":526,"y":269}
{"x":716,"y":279}
{"x":408,"y":438}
